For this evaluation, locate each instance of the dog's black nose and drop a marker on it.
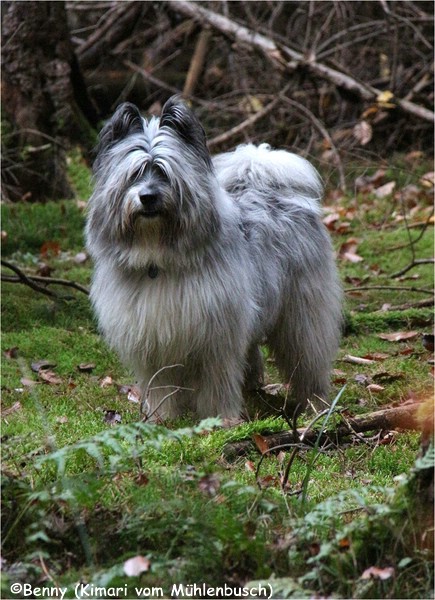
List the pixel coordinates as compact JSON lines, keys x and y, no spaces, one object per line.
{"x":149,"y":200}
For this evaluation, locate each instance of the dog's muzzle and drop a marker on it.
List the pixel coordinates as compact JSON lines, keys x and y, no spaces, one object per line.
{"x":152,"y":204}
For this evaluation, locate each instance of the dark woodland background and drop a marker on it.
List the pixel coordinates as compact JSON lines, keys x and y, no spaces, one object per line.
{"x":338,"y":81}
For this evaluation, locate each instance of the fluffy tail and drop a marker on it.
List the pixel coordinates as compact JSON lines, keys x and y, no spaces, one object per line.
{"x":261,"y":168}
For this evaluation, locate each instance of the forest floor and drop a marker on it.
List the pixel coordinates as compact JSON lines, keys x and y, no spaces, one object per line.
{"x":93,"y":497}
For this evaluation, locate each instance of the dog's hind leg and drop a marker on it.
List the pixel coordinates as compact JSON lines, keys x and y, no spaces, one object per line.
{"x":306,"y":337}
{"x":254,"y":371}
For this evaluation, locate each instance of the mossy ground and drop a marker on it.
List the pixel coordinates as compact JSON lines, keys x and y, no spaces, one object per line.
{"x":197,"y":517}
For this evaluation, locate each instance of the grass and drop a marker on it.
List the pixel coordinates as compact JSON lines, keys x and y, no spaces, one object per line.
{"x":81,"y":495}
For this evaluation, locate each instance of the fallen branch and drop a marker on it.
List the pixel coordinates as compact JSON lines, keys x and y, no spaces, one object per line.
{"x":396,"y":288}
{"x":403,"y":417}
{"x":410,"y":305}
{"x":197,"y":62}
{"x":33,"y":281}
{"x":120,"y":20}
{"x":288,"y":59}
{"x":414,"y":263}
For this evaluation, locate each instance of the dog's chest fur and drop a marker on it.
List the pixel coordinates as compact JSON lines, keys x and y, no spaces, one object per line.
{"x":169,"y":316}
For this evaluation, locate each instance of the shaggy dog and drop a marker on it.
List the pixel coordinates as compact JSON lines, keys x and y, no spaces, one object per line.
{"x":199,"y":260}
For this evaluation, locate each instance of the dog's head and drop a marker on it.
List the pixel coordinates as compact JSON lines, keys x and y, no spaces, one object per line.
{"x":154,"y":179}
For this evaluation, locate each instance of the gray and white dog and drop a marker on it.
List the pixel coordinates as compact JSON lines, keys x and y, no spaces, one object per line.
{"x":198,"y":261}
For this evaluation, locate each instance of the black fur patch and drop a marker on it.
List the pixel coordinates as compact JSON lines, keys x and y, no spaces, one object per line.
{"x":126,"y":121}
{"x":178,"y":117}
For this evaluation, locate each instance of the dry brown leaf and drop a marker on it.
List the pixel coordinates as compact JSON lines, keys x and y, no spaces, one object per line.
{"x":385,"y":190}
{"x":41,"y":365}
{"x":106,"y":381}
{"x":348,"y":249}
{"x":260,"y":442}
{"x":28,"y":382}
{"x":49,"y":377}
{"x":250,"y":466}
{"x":209,"y":484}
{"x":11,"y":352}
{"x":375,"y":388}
{"x":7,"y":411}
{"x":363,"y":132}
{"x":428,"y":179}
{"x":86,"y":367}
{"x":399,"y":336}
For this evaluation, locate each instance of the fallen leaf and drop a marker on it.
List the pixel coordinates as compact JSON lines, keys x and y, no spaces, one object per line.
{"x":11,"y":352}
{"x":385,"y":190}
{"x":132,"y":392}
{"x":41,"y":365}
{"x":344,"y":544}
{"x":49,"y":377}
{"x":136,"y":565}
{"x":378,"y":573}
{"x":347,"y":251}
{"x":260,"y":442}
{"x":363,"y":132}
{"x":387,"y":377}
{"x":365,"y":183}
{"x":7,"y":411}
{"x":50,"y":248}
{"x":362,"y":379}
{"x":106,"y":381}
{"x":428,"y":179}
{"x":111,"y":417}
{"x":209,"y":484}
{"x":427,"y":340}
{"x":399,"y":336}
{"x":314,"y":548}
{"x":250,"y":466}
{"x":86,"y":367}
{"x":375,"y":388}
{"x":44,"y":270}
{"x":384,"y":99}
{"x":141,"y":479}
{"x":28,"y":382}
{"x":275,"y":389}
{"x":267,"y":481}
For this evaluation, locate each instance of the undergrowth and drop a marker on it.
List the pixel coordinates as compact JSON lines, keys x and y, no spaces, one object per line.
{"x":87,"y":485}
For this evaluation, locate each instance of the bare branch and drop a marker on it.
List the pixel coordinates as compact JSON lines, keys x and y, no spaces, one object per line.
{"x":288,"y":59}
{"x":33,"y":280}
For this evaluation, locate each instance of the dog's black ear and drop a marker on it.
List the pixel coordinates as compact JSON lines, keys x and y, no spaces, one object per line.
{"x":126,"y":121}
{"x":181,"y":119}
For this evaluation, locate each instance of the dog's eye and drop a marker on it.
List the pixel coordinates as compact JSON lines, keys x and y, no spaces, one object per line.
{"x":159,"y":171}
{"x":137,"y":173}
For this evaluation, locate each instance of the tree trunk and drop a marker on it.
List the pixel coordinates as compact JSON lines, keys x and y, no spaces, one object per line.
{"x":45,"y":103}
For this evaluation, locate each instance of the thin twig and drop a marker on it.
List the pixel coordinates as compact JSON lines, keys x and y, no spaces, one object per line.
{"x":33,"y":280}
{"x":227,"y":135}
{"x":22,"y":278}
{"x":396,"y":288}
{"x":323,"y":131}
{"x":414,"y":263}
